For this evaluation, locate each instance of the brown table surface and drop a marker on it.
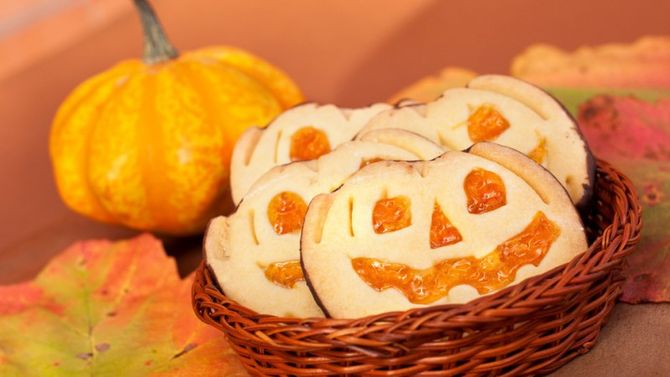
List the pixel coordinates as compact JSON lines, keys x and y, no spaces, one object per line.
{"x":347,"y":52}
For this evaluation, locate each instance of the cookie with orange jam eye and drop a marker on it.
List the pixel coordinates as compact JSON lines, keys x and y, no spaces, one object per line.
{"x":255,"y":252}
{"x":399,"y":235}
{"x":506,"y":111}
{"x":304,"y":132}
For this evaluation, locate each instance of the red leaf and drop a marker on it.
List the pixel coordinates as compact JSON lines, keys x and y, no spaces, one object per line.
{"x":635,"y":136}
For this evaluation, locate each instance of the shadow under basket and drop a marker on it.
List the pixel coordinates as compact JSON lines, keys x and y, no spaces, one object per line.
{"x":531,"y":328}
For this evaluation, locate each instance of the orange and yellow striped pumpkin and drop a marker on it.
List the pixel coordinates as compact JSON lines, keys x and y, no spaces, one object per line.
{"x":148,"y":144}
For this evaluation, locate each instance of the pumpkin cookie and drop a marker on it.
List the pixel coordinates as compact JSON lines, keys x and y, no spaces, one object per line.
{"x":302,"y":133}
{"x":254,"y":252}
{"x":506,"y":111}
{"x":399,"y":235}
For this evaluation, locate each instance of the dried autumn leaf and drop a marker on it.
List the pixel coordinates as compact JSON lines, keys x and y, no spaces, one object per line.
{"x":634,"y":135}
{"x":103,"y":308}
{"x":642,"y":64}
{"x":430,"y":87}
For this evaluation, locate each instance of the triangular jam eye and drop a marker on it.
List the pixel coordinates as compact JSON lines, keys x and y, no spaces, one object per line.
{"x":539,"y":152}
{"x":308,"y":143}
{"x":486,"y":124}
{"x":391,"y":214}
{"x":442,"y":231}
{"x":485,"y":191}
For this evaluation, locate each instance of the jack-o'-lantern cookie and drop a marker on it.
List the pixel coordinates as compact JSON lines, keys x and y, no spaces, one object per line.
{"x":399,"y":235}
{"x":302,"y":133}
{"x":506,"y":111}
{"x":255,"y":252}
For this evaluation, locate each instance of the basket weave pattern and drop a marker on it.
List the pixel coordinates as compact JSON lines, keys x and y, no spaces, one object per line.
{"x":527,"y":329}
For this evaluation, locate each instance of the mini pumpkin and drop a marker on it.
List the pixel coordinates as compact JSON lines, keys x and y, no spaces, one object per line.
{"x":254,"y":252}
{"x":506,"y":111}
{"x":301,"y":133}
{"x":399,"y":235}
{"x":148,"y":144}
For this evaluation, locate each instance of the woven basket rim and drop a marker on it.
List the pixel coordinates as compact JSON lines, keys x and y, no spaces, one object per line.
{"x":537,"y":297}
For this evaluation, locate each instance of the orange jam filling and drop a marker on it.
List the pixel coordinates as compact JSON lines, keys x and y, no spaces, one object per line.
{"x":286,"y":212}
{"x":308,"y":143}
{"x":284,"y":274}
{"x":368,"y":161}
{"x":442,"y":232}
{"x":539,"y":152}
{"x":391,"y":214}
{"x":485,"y":191}
{"x":494,"y":271}
{"x":486,"y":124}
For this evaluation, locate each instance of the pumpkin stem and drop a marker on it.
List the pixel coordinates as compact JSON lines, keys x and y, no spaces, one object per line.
{"x":157,"y":48}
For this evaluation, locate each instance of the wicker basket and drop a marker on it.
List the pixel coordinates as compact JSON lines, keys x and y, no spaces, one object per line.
{"x":530,"y":328}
